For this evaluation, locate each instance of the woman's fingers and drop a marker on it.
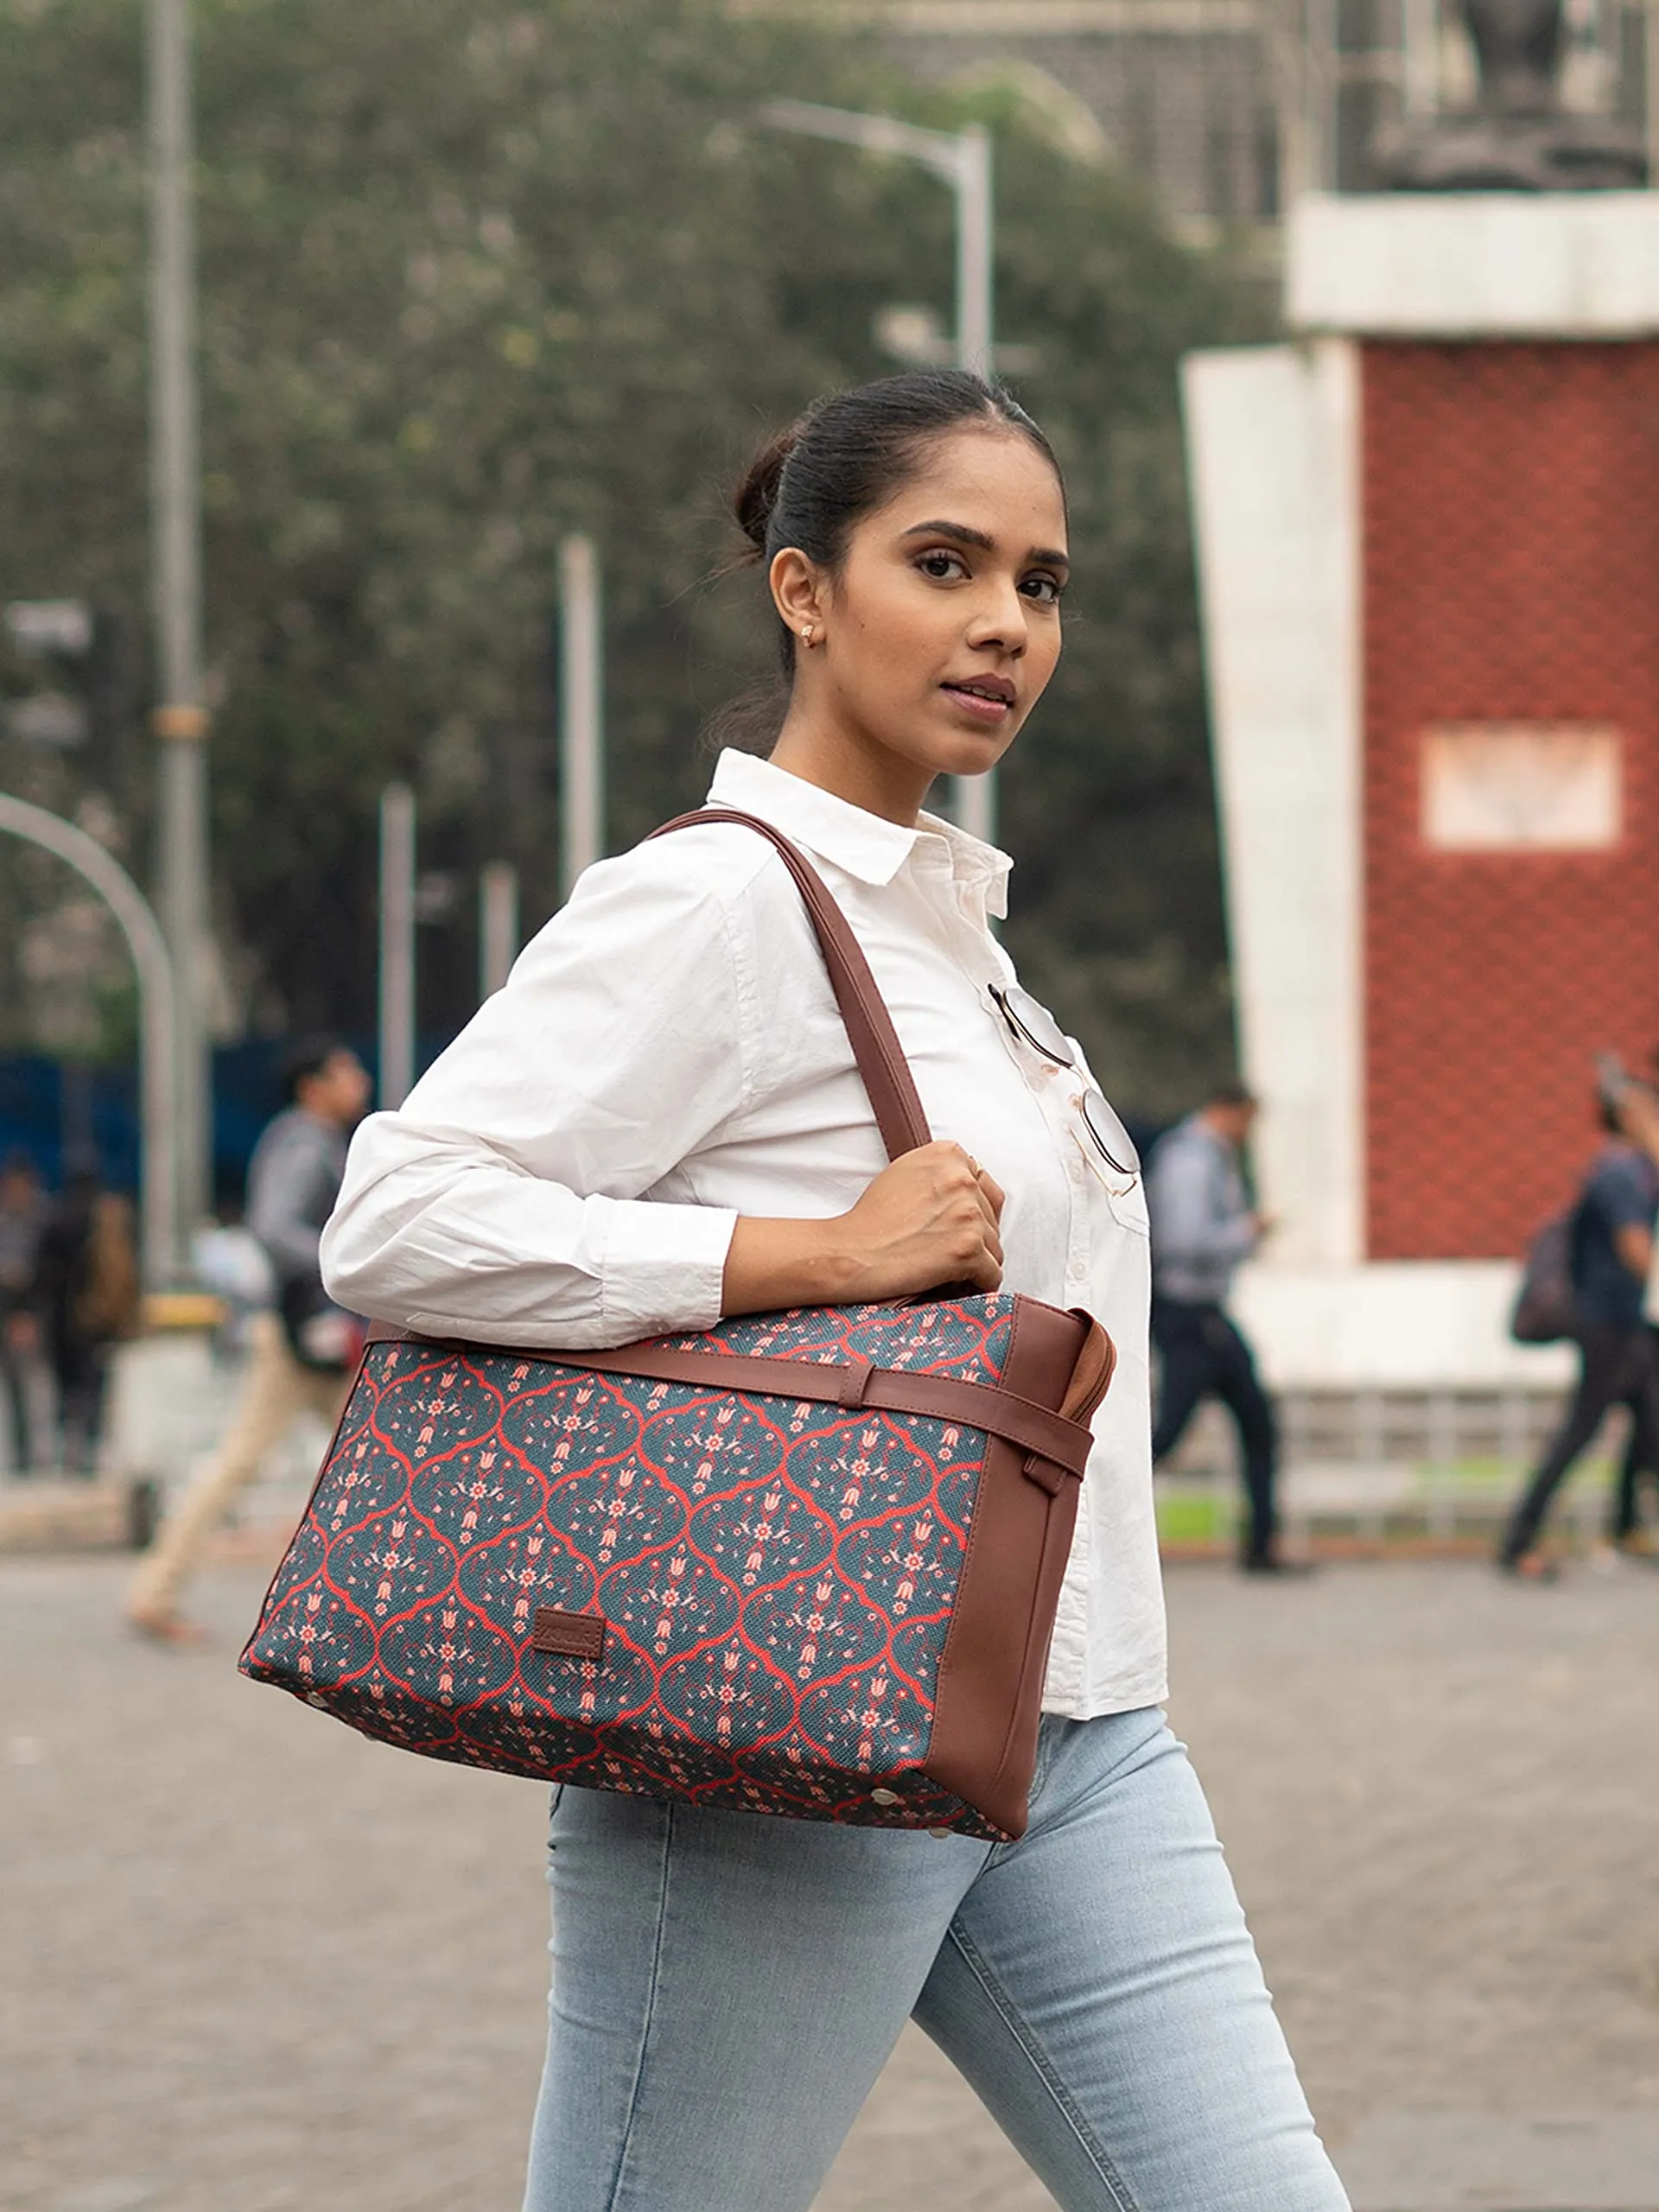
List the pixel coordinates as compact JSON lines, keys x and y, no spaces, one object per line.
{"x":984,"y":1264}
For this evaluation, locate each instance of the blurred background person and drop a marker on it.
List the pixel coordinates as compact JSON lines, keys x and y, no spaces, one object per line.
{"x":230,"y":1262}
{"x":24,"y":1210}
{"x":301,"y":1353}
{"x":1609,"y":1245}
{"x":86,"y":1294}
{"x":1202,"y":1226}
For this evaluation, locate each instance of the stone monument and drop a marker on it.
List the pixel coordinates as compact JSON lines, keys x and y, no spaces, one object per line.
{"x":1517,"y":137}
{"x":1428,"y":531}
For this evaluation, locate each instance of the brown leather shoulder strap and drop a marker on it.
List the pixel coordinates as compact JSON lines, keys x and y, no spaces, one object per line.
{"x":876,"y":1044}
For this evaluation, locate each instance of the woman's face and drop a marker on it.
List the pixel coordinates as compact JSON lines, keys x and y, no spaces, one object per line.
{"x":940,"y":632}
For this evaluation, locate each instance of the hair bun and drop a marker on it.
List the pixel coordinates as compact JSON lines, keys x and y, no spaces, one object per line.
{"x":757,"y":495}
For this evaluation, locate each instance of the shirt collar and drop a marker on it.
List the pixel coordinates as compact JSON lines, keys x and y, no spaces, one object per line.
{"x":865,"y":846}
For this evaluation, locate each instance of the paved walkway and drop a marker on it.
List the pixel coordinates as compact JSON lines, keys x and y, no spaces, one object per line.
{"x":251,"y":1963}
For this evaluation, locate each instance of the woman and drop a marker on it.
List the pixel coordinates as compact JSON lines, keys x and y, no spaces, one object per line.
{"x":659,"y":1122}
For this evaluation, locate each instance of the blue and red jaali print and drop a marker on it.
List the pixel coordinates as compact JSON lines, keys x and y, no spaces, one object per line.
{"x":646,"y":1586}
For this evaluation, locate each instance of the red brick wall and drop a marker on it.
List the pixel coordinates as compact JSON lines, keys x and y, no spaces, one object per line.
{"x":1510,"y":572}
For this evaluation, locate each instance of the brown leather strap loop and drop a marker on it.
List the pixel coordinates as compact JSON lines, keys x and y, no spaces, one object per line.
{"x":1063,"y":1437}
{"x":880,"y":1057}
{"x":936,"y":1397}
{"x":855,"y":1379}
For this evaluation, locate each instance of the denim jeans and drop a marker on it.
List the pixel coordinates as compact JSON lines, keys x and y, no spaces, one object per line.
{"x":727,"y":1988}
{"x":1617,"y":1366}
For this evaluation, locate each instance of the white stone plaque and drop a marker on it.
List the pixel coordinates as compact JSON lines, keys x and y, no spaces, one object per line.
{"x":1521,"y":787}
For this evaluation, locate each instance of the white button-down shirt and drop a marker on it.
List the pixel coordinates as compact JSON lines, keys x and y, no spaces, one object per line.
{"x":667,"y":1055}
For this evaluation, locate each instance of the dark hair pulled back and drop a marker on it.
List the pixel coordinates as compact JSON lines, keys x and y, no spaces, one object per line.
{"x":848,"y":454}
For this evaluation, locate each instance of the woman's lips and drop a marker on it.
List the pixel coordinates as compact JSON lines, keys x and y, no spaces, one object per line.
{"x":979,"y":704}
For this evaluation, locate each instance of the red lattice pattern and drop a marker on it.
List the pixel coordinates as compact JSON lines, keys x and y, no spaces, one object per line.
{"x":1511,"y":573}
{"x":772,"y":1581}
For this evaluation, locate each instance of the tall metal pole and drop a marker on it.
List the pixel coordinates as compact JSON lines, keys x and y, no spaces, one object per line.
{"x":975,"y":242}
{"x":581,"y":711}
{"x":397,"y":943}
{"x":498,"y":924}
{"x":975,"y":796}
{"x":181,"y":718}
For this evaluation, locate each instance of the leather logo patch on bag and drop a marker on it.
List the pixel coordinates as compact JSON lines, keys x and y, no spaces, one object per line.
{"x":571,"y":1636}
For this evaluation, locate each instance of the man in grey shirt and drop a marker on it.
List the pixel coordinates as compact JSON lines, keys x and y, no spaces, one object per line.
{"x":298,"y":1353}
{"x":1202,"y":1225}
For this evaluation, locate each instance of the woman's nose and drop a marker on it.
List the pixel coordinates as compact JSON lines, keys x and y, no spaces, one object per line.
{"x":1001,"y":622}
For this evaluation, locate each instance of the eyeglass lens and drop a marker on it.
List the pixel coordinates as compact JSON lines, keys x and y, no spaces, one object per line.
{"x":1105,"y":1126}
{"x":1031,"y":1021}
{"x":1030,"y":1018}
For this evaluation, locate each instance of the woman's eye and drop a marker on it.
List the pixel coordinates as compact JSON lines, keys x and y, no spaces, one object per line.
{"x":942,"y":566}
{"x":1045,"y":590}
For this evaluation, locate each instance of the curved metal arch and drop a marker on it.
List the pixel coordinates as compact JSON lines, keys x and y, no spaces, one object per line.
{"x":158,"y":1200}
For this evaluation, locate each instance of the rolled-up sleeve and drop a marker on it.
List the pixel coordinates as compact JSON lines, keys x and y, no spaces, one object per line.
{"x":534,"y":1189}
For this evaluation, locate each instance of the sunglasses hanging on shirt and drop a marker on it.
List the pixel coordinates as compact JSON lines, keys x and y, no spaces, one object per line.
{"x":1031,"y":1024}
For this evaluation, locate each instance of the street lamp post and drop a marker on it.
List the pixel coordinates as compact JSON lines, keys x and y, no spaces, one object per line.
{"x":976,"y":248}
{"x":581,"y":711}
{"x":498,"y":924}
{"x":963,"y":158}
{"x":397,"y":944}
{"x":180,"y":717}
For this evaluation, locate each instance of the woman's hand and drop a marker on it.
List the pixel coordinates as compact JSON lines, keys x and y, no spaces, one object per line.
{"x":929,"y":1219}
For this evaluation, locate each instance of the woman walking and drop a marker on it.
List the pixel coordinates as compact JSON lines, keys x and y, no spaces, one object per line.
{"x":659,"y":1122}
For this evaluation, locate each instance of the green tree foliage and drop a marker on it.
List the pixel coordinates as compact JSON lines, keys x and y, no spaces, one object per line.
{"x":475,"y":273}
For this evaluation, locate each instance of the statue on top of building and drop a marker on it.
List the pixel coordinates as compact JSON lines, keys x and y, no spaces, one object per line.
{"x":1517,"y":137}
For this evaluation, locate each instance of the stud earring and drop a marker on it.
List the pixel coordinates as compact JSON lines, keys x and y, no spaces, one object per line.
{"x":806,"y":637}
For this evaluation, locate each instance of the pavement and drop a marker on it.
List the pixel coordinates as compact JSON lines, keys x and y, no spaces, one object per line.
{"x":249,"y":1962}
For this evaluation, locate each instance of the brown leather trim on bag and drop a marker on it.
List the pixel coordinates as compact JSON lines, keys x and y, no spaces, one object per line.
{"x":997,"y":1409}
{"x":1056,"y":1445}
{"x":989,"y":1701}
{"x":876,"y":1049}
{"x":1091,"y":1376}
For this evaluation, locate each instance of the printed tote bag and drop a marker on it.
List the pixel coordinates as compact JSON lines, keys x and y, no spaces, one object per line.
{"x":802,"y":1563}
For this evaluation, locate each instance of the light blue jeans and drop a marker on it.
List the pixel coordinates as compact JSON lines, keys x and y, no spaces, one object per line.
{"x":727,"y":1988}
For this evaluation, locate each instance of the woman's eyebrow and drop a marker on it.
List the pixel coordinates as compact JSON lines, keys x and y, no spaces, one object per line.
{"x":963,"y":533}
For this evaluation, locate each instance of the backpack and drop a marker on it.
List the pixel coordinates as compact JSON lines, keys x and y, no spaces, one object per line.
{"x":106,"y":1303}
{"x":1546,"y":1307}
{"x":319,"y":1334}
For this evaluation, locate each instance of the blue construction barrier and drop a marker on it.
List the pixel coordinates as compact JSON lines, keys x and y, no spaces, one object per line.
{"x":57,"y":1112}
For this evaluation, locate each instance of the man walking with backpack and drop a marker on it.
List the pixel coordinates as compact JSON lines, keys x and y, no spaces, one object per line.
{"x":301,"y":1352}
{"x":1610,"y":1249}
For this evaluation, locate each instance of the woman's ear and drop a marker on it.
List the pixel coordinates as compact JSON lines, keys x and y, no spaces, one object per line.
{"x":797,"y":591}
